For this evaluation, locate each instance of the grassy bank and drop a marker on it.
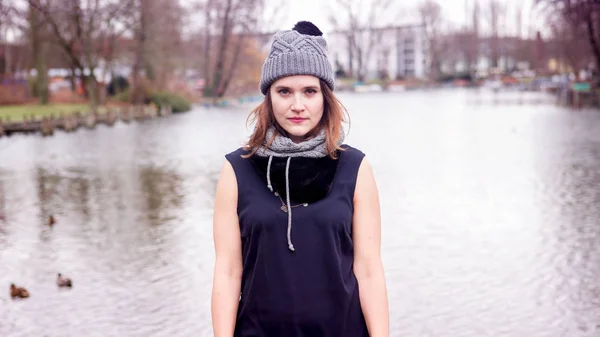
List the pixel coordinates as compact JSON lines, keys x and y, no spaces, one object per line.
{"x":20,"y":112}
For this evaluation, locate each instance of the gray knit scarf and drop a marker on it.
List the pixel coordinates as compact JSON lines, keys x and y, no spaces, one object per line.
{"x":283,"y":146}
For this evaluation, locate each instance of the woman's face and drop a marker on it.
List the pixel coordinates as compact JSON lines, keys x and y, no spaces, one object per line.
{"x":297,"y":104}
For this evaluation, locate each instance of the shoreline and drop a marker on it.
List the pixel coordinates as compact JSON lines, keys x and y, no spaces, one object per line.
{"x":71,"y":122}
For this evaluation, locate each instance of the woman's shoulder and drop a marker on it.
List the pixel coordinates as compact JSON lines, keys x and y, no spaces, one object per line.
{"x":351,"y":152}
{"x":237,"y":153}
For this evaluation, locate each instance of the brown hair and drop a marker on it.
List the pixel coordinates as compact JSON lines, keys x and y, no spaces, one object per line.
{"x":334,"y":114}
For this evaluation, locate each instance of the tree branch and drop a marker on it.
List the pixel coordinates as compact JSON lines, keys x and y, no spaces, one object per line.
{"x":67,"y":45}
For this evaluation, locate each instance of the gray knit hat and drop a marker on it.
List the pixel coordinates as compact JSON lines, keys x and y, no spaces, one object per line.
{"x":300,"y":51}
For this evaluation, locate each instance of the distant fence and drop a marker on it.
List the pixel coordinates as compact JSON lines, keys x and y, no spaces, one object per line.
{"x":14,"y":91}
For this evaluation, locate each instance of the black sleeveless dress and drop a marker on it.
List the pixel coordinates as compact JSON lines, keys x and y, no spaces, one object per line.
{"x":309,"y":292}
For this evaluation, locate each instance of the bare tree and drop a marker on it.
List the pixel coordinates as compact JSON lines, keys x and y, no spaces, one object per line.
{"x":523,"y":50}
{"x":475,"y":34}
{"x":169,"y":39}
{"x":496,"y":11}
{"x":114,"y":28}
{"x":570,"y":43}
{"x":431,"y":17}
{"x":208,"y":23}
{"x":362,"y":29}
{"x":80,"y":28}
{"x":11,"y":23}
{"x":137,"y":92}
{"x":228,"y":26}
{"x":38,"y":51}
{"x":5,"y":8}
{"x":580,"y":14}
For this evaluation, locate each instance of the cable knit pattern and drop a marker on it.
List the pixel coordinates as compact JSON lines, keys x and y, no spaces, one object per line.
{"x":284,"y":147}
{"x":293,"y":53}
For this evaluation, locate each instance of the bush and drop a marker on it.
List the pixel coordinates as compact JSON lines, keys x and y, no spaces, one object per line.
{"x":117,"y":85}
{"x":123,"y":96}
{"x":164,"y":98}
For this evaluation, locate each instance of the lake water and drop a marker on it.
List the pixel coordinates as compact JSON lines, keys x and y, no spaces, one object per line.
{"x":490,"y":207}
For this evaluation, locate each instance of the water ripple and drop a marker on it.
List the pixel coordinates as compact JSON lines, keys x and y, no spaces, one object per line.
{"x":490,"y":212}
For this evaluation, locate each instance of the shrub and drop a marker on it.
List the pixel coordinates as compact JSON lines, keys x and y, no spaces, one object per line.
{"x":117,"y":85}
{"x":165,"y":98}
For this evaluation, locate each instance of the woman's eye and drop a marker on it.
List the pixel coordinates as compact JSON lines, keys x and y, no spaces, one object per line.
{"x":284,"y":91}
{"x":311,"y":91}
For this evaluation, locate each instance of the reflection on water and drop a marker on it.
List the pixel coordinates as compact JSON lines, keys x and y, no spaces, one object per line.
{"x":572,"y":196}
{"x":490,"y":207}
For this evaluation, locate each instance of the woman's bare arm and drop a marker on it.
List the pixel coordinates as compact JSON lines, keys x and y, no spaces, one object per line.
{"x":228,"y":265}
{"x":368,"y":266}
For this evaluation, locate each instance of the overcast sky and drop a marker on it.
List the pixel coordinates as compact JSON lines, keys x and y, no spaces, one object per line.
{"x":318,"y":11}
{"x":401,"y":12}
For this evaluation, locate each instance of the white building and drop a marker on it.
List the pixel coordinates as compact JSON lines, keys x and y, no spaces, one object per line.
{"x":398,"y":51}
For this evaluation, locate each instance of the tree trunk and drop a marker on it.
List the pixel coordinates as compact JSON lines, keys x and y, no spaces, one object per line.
{"x":232,"y":67}
{"x":207,"y":37}
{"x":92,"y":89}
{"x":593,"y":39}
{"x":37,"y":50}
{"x":136,"y":95}
{"x":72,"y":79}
{"x":8,"y":58}
{"x":42,"y":75}
{"x":84,"y":83}
{"x":350,"y":57}
{"x":225,"y":35}
{"x":360,"y":65}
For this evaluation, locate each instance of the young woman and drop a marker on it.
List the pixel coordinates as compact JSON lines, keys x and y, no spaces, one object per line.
{"x":296,"y":218}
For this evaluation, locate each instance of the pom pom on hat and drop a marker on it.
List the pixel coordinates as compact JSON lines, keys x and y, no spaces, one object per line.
{"x":307,"y":28}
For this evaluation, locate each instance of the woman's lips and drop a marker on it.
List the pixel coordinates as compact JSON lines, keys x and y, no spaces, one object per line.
{"x":296,"y":119}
